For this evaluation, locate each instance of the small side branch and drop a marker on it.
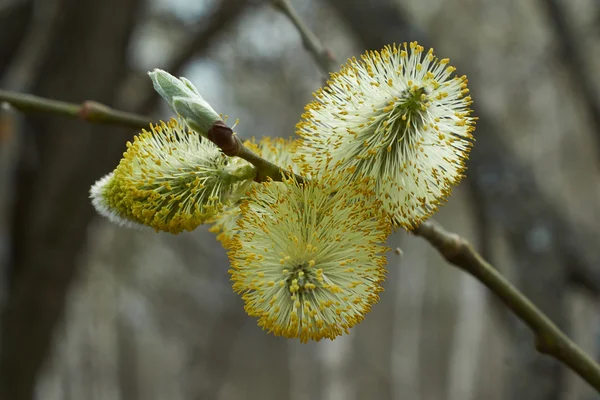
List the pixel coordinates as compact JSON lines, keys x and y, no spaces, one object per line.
{"x":231,"y":145}
{"x":549,"y":339}
{"x":89,"y":111}
{"x":322,"y":56}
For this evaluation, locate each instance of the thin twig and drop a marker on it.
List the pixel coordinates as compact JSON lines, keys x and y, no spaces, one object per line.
{"x":264,"y":169}
{"x":323,"y":57}
{"x":89,"y":111}
{"x":96,"y":113}
{"x":456,"y":250}
{"x":549,"y":339}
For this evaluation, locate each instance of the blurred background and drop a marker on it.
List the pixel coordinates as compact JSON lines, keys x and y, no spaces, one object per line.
{"x":94,"y":311}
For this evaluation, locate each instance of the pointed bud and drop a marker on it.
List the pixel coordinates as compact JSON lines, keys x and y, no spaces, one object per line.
{"x":185,"y":100}
{"x":198,"y":114}
{"x":168,"y":86}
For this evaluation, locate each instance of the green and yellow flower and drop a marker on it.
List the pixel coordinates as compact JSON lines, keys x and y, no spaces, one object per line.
{"x":399,"y":116}
{"x":308,"y":259}
{"x":172,"y":180}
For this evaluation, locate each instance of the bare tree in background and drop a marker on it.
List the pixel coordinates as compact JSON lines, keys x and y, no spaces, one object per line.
{"x":77,"y":52}
{"x":56,"y":165}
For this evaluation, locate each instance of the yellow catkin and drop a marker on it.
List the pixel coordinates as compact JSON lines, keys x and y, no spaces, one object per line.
{"x":286,"y":259}
{"x":172,"y":180}
{"x":411,"y":129}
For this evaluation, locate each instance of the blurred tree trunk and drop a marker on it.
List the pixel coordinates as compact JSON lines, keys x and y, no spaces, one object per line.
{"x":14,"y":20}
{"x":51,"y":210}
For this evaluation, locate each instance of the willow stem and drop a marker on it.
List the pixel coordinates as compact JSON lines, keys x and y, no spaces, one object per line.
{"x":549,"y":339}
{"x":90,"y":111}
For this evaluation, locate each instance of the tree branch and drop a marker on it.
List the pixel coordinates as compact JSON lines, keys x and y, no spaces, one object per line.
{"x":456,"y":250}
{"x":96,"y":113}
{"x":89,"y":111}
{"x":549,"y":339}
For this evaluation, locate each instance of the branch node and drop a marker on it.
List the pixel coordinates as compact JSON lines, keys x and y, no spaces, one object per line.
{"x":92,"y":111}
{"x":222,"y":135}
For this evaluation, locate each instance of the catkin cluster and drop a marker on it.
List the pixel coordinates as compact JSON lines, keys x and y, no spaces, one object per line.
{"x":380,"y":147}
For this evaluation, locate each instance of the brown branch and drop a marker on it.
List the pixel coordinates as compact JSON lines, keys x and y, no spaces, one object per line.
{"x":231,"y":145}
{"x":549,"y":339}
